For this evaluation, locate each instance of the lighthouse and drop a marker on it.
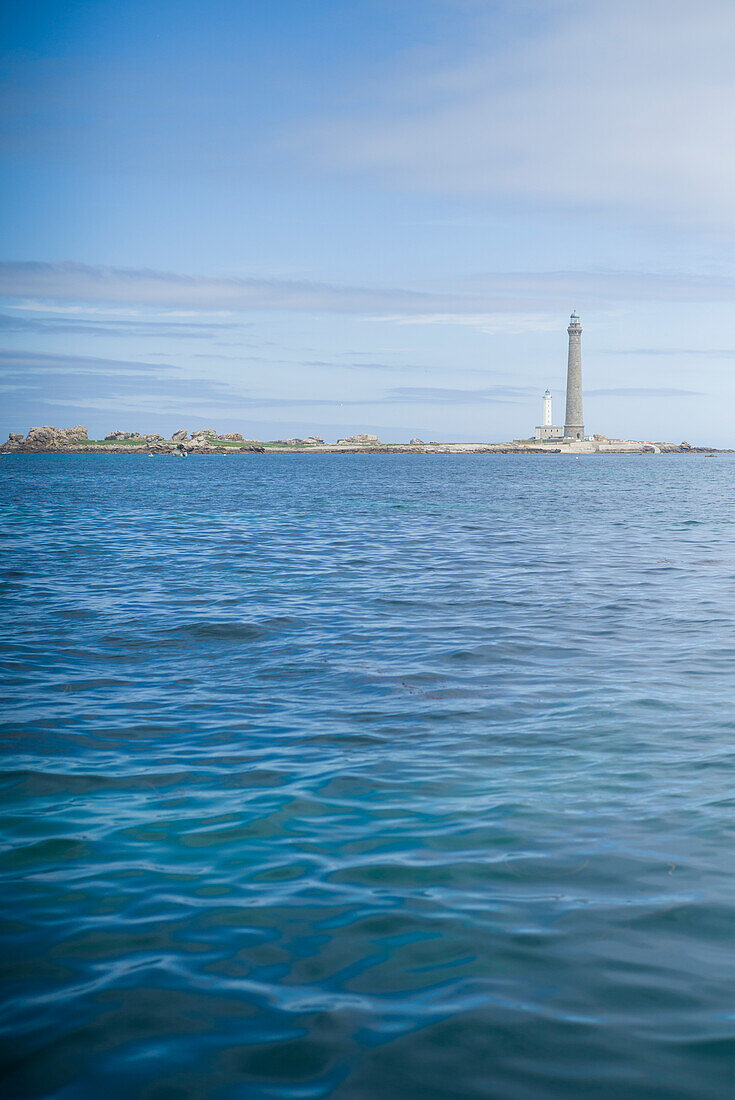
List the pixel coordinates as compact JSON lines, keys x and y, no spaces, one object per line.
{"x":547,"y":409}
{"x":574,"y":420}
{"x":546,"y":429}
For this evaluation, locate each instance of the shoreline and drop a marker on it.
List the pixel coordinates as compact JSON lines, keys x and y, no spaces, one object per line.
{"x":176,"y":451}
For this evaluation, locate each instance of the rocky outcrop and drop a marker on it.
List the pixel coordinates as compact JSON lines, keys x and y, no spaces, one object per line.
{"x":77,"y":434}
{"x":313,"y":441}
{"x":49,"y":438}
{"x":204,"y":433}
{"x":363,"y":437}
{"x":416,"y":442}
{"x":237,"y":437}
{"x":179,"y":436}
{"x":45,"y":436}
{"x":155,"y":438}
{"x":118,"y":434}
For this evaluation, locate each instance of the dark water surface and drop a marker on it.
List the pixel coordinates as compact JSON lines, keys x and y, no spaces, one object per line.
{"x":368,"y":777}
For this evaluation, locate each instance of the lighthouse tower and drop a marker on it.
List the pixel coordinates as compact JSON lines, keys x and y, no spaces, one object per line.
{"x":574,"y":420}
{"x":546,"y":430}
{"x":547,"y":409}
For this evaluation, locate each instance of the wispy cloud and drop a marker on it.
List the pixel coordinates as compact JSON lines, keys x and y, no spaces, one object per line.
{"x":37,"y":362}
{"x":41,"y":326}
{"x":389,"y":368}
{"x":115,"y":386}
{"x":123,"y":385}
{"x":357,"y":366}
{"x":490,"y":323}
{"x":500,"y":303}
{"x":495,"y":302}
{"x":690,"y":353}
{"x":625,"y":105}
{"x":436,"y":395}
{"x":78,"y":282}
{"x":642,"y":391}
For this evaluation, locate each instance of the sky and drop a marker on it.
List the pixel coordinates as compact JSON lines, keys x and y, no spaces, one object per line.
{"x":288,"y":217}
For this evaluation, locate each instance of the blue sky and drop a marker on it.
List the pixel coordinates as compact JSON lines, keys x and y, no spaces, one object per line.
{"x":375,"y":215}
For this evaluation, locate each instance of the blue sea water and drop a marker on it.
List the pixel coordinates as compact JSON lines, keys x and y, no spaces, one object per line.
{"x":368,"y":777}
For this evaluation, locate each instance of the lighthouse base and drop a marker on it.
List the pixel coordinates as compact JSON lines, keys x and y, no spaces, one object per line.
{"x":547,"y":431}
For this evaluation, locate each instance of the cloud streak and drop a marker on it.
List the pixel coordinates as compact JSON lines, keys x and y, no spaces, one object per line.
{"x":494,"y":302}
{"x":38,"y":362}
{"x":78,"y":282}
{"x":643,"y":391}
{"x":202,"y":330}
{"x":121,"y":384}
{"x":437,"y":395}
{"x":690,"y":353}
{"x":626,"y":105}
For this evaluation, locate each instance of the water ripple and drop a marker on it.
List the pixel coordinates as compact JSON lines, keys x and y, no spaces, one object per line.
{"x":368,"y":777}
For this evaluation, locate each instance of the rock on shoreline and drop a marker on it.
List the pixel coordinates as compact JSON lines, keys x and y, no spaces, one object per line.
{"x":363,"y":437}
{"x":51,"y":440}
{"x":48,"y":436}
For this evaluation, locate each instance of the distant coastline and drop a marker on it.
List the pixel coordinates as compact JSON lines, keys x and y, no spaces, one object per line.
{"x":51,"y":440}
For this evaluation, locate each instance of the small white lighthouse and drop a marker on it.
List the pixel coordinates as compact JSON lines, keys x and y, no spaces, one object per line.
{"x":547,"y":410}
{"x":546,"y":429}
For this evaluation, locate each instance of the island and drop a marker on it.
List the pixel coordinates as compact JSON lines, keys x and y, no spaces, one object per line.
{"x":206,"y":441}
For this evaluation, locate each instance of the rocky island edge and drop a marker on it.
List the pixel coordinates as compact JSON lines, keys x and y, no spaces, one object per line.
{"x":52,"y":440}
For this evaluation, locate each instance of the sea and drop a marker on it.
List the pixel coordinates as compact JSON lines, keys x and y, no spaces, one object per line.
{"x":369,"y":777}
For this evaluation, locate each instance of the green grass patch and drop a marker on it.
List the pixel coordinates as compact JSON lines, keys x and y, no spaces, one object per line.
{"x":139,"y":442}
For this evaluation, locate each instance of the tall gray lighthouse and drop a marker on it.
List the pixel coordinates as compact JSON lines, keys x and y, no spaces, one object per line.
{"x":574,"y":420}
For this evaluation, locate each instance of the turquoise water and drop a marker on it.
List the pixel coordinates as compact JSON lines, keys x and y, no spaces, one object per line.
{"x":368,"y":777}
